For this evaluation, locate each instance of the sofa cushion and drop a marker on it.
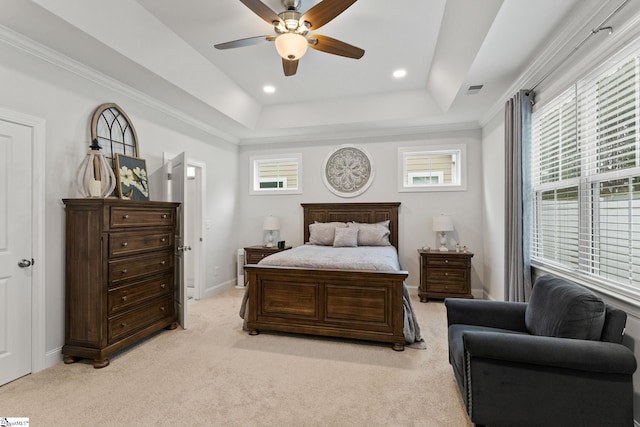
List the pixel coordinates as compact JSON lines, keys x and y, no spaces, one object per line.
{"x":564,"y":309}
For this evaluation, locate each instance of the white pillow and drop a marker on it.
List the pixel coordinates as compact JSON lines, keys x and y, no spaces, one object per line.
{"x":346,"y":237}
{"x":372,"y":234}
{"x":323,"y":233}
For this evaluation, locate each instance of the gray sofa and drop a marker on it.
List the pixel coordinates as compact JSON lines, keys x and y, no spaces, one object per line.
{"x":557,"y":360}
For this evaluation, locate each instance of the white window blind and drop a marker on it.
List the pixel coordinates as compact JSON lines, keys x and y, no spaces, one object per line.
{"x":276,"y":174}
{"x":586,"y":177}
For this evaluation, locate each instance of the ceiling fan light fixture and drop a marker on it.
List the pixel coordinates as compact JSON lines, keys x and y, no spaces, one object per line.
{"x":291,"y":46}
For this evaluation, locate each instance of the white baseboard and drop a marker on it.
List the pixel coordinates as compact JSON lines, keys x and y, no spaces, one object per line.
{"x":212,"y":290}
{"x":52,"y":357}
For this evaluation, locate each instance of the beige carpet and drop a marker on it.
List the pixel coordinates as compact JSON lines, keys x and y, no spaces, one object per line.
{"x":214,"y":374}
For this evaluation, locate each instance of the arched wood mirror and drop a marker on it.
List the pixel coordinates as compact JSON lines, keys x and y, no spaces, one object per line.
{"x":114,"y":131}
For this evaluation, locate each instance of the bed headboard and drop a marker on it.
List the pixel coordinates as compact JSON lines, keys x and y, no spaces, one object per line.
{"x":358,"y":212}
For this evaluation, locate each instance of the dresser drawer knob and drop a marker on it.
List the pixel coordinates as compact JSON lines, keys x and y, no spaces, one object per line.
{"x":163,"y":262}
{"x":124,"y":298}
{"x":163,"y":285}
{"x":125,"y":244}
{"x":446,"y":261}
{"x":125,"y":216}
{"x":161,"y":308}
{"x":446,"y":274}
{"x":124,"y":325}
{"x":125,"y":271}
{"x":164,"y":239}
{"x":164,"y":216}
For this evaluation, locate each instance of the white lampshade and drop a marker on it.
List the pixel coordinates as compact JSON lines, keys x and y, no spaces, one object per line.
{"x":271,"y":223}
{"x":291,"y":46}
{"x":442,"y":223}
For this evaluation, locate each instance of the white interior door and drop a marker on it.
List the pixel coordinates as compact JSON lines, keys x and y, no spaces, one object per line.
{"x":178,"y":193}
{"x":15,"y":250}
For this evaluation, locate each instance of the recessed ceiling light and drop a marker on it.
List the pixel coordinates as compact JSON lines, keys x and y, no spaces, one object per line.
{"x":269,"y":89}
{"x":398,"y":74}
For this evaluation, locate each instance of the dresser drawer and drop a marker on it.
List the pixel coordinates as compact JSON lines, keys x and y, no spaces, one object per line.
{"x":124,"y":244}
{"x":447,"y":261}
{"x":134,"y":217}
{"x":124,"y":270}
{"x":138,"y":292}
{"x":134,"y":320}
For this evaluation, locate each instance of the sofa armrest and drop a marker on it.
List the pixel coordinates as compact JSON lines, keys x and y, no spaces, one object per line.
{"x":566,"y":353}
{"x":494,"y":314}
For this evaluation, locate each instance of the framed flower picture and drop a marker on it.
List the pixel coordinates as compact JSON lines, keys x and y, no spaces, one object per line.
{"x":132,"y":180}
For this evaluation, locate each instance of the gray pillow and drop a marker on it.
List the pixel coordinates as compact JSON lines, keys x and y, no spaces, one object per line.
{"x":346,"y":237}
{"x":564,"y":309}
{"x":323,"y":233}
{"x":372,"y":234}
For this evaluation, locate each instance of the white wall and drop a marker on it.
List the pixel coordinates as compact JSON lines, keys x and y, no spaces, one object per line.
{"x":66,"y":101}
{"x":493,"y":208}
{"x":416,"y":209}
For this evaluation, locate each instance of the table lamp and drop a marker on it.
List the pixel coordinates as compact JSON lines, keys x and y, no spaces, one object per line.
{"x":442,"y":224}
{"x":271,"y":226}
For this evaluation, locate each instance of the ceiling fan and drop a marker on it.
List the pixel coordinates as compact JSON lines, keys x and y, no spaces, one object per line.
{"x":292,"y":31}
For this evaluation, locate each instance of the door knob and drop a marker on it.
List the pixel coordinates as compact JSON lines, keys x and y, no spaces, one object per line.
{"x":24,"y":263}
{"x":184,"y":248}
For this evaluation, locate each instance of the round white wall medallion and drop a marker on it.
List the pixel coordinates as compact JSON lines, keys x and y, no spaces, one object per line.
{"x":348,"y":171}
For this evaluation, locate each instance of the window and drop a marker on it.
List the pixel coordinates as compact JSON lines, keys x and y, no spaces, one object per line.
{"x":431,"y":168}
{"x":276,"y":174}
{"x":586,"y":179}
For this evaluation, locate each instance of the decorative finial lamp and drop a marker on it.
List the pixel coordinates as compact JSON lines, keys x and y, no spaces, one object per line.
{"x":271,"y":227}
{"x":442,"y":224}
{"x":94,"y":177}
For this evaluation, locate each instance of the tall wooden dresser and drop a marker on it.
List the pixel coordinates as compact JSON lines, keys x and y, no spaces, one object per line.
{"x":120,"y":275}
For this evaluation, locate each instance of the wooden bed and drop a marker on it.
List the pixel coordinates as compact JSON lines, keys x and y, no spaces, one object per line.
{"x":352,"y":304}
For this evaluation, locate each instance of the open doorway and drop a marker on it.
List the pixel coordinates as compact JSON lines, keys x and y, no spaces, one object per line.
{"x":193,"y":233}
{"x":193,"y":202}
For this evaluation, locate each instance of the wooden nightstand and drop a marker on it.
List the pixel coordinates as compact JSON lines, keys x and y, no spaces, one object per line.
{"x":253,"y":254}
{"x":444,"y":274}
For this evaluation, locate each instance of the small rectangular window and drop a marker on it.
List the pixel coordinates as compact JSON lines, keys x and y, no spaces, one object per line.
{"x":276,"y":174}
{"x":431,"y":168}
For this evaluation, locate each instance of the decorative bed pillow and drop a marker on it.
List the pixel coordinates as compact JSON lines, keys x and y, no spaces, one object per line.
{"x":323,"y":233}
{"x":372,"y":234}
{"x":346,"y":237}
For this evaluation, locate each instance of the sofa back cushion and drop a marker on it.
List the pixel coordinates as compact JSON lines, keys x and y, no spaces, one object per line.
{"x":564,"y":309}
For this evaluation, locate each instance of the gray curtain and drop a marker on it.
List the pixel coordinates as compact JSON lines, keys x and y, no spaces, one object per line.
{"x":517,"y":197}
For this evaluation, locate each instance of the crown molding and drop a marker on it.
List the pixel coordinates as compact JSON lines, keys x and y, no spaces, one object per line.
{"x":44,"y":53}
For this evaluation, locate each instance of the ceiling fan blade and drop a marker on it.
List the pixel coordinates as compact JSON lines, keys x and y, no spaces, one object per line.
{"x":335,"y":47}
{"x":325,"y":11}
{"x":245,"y":42}
{"x":290,"y":67}
{"x":262,"y":10}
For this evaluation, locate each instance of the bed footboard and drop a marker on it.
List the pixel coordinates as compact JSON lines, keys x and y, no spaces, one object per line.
{"x":352,"y":304}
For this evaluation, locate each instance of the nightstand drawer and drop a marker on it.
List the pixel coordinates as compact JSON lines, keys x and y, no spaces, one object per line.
{"x":448,"y":287}
{"x":254,"y":258}
{"x":447,"y":261}
{"x":446,"y":275}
